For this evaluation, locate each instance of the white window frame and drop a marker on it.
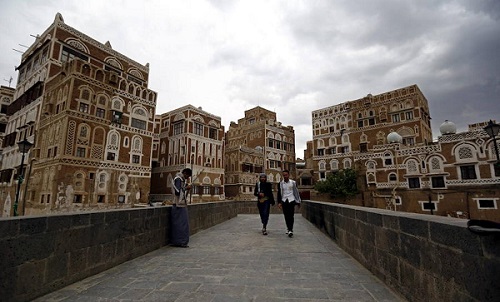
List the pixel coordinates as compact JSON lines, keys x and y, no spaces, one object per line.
{"x":495,"y":203}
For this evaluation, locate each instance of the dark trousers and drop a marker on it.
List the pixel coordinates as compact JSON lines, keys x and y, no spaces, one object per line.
{"x":179,"y":225}
{"x":288,"y":211}
{"x":264,"y":208}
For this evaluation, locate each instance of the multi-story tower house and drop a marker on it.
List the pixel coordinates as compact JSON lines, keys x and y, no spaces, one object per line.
{"x":387,"y":139}
{"x":6,"y":98}
{"x":456,"y":176}
{"x":343,"y":131}
{"x":258,"y":143}
{"x":94,"y":126}
{"x":22,"y":114}
{"x":190,"y":138}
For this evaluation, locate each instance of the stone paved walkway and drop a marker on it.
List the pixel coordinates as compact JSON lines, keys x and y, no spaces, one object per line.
{"x":233,"y":261}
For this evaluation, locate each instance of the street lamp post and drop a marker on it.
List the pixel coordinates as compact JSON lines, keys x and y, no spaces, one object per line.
{"x":24,"y":147}
{"x":492,"y":129}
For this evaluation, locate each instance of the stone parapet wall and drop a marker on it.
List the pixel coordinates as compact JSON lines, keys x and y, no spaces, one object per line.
{"x":39,"y":255}
{"x":423,"y":257}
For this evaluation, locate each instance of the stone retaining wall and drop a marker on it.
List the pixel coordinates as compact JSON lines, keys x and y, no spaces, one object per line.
{"x":39,"y":255}
{"x":423,"y":257}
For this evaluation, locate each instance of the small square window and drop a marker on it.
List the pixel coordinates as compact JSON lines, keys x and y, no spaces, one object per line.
{"x":99,"y":112}
{"x":139,"y":124}
{"x":438,"y":182}
{"x":206,"y":190}
{"x":84,"y":108}
{"x":80,"y":152}
{"x":428,"y":206}
{"x":468,"y":172}
{"x":414,"y":183}
{"x":77,"y":198}
{"x":486,"y":204}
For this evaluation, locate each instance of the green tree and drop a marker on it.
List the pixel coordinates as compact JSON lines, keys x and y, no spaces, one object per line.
{"x":340,"y":184}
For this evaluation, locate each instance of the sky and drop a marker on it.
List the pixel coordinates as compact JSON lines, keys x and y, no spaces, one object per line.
{"x":288,"y":56}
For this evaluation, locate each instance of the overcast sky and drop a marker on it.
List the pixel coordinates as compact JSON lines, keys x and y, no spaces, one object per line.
{"x":289,"y":56}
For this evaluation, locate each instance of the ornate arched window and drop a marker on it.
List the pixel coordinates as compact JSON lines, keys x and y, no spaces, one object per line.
{"x":363,"y":138}
{"x":412,"y":167}
{"x":370,"y":165}
{"x":370,"y":177}
{"x":139,"y":118}
{"x":345,"y":138}
{"x":85,"y":94}
{"x":334,"y":165}
{"x":465,"y":152}
{"x":393,"y":177}
{"x":347,"y":163}
{"x":321,"y":143}
{"x":435,"y":164}
{"x":83,"y":132}
{"x":322,"y":165}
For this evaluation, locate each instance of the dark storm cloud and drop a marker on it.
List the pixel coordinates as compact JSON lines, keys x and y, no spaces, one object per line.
{"x":292,"y":57}
{"x":448,"y":48}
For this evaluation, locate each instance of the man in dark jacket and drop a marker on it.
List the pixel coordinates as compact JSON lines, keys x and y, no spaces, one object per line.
{"x":265,"y":198}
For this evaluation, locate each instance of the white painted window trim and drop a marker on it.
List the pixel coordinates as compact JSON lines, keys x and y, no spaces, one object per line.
{"x":495,"y":203}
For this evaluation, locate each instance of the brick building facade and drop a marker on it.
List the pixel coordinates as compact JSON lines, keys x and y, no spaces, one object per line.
{"x":387,"y":139}
{"x":258,"y":143}
{"x":189,"y":137}
{"x":90,"y":116}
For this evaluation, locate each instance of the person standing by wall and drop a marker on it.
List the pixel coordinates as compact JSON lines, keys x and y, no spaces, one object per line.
{"x":179,"y":226}
{"x":265,"y":198}
{"x":288,"y":197}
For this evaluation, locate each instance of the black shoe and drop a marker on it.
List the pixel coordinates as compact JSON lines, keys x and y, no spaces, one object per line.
{"x":290,"y":234}
{"x":179,"y":245}
{"x":264,"y":232}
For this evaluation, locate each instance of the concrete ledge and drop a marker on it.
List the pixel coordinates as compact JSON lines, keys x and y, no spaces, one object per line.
{"x":423,"y":257}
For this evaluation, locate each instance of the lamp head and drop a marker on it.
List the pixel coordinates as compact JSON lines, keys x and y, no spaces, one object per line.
{"x":492,"y":129}
{"x":24,"y":146}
